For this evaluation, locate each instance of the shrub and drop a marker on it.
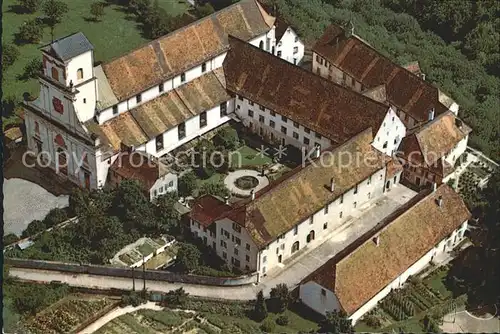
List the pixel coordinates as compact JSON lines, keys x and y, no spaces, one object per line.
{"x":268,"y":326}
{"x":97,"y":10}
{"x":30,"y":32}
{"x":187,"y":183}
{"x":228,"y":138}
{"x":55,"y":216}
{"x":30,"y":6}
{"x":10,"y":53}
{"x":282,"y":320}
{"x":33,"y":68}
{"x":10,"y":239}
{"x":373,"y":321}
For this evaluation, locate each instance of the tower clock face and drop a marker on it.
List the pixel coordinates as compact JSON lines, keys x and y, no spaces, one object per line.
{"x":58,"y":106}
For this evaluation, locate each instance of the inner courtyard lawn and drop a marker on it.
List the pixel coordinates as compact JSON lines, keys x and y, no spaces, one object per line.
{"x":116,"y":33}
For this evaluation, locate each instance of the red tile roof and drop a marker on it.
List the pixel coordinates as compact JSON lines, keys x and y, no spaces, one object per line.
{"x":136,"y":166}
{"x":335,"y":112}
{"x":206,"y":209}
{"x":366,"y":65}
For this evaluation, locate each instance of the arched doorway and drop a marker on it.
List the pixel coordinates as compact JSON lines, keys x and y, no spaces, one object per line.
{"x":388,"y":184}
{"x":310,"y":236}
{"x":295,"y":247}
{"x":261,"y":44}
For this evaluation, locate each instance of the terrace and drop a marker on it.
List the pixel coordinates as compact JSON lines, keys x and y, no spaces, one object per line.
{"x":145,"y":250}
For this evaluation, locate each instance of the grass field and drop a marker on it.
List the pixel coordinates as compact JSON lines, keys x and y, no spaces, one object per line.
{"x":116,"y":34}
{"x":247,"y":156}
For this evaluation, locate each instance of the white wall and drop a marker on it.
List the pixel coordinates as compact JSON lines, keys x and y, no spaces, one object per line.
{"x":166,"y":183}
{"x":391,"y":132}
{"x":339,"y":211}
{"x":457,"y":151}
{"x":242,"y":107}
{"x":286,"y":46}
{"x":318,"y":298}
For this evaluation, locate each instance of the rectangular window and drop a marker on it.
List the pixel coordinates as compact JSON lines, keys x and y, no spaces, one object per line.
{"x":247,"y":247}
{"x":283,"y":129}
{"x":326,"y":210}
{"x":323,"y":292}
{"x":295,"y":124}
{"x":306,"y":141}
{"x":203,"y":67}
{"x":261,"y":119}
{"x":296,"y":230}
{"x":171,"y":184}
{"x":279,"y":54}
{"x":282,"y":246}
{"x":311,"y":220}
{"x":250,"y":113}
{"x":355,"y":204}
{"x":237,"y":240}
{"x":161,"y":191}
{"x":203,"y":119}
{"x":138,"y":98}
{"x":325,"y":226}
{"x":295,"y":49}
{"x":271,"y":124}
{"x":115,"y":110}
{"x":181,"y":131}
{"x":318,"y":135}
{"x":223,"y":109}
{"x":295,"y":135}
{"x":340,"y":214}
{"x":296,"y":39}
{"x":247,"y":258}
{"x":277,"y":250}
{"x":306,"y":130}
{"x":385,"y":145}
{"x":262,"y":108}
{"x":160,"y":87}
{"x":272,"y":113}
{"x":284,"y":119}
{"x":236,"y":251}
{"x":183,"y":77}
{"x":264,"y":259}
{"x":369,"y":180}
{"x":159,"y":143}
{"x":250,"y":103}
{"x":224,"y":255}
{"x":237,"y":227}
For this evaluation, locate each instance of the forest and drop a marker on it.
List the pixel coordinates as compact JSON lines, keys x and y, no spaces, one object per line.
{"x":456,"y":43}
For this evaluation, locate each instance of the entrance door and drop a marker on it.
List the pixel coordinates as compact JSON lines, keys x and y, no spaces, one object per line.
{"x":279,"y":258}
{"x":417,"y":180}
{"x":86,"y":177}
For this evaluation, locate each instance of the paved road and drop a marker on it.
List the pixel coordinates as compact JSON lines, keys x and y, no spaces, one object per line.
{"x":309,"y":260}
{"x":25,"y":201}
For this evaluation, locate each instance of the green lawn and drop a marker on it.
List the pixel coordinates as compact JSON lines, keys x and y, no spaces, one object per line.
{"x":215,"y":178}
{"x":146,"y":249}
{"x":247,"y":156}
{"x":116,"y":34}
{"x":436,"y":282}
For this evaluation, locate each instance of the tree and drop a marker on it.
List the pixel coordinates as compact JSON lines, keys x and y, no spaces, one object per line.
{"x":10,"y":53}
{"x":260,"y":308}
{"x":187,"y":183}
{"x":97,"y":10}
{"x":216,"y":189}
{"x":30,"y":32}
{"x":33,"y":69}
{"x":33,"y":228}
{"x":337,"y":322}
{"x":55,"y":216}
{"x":10,"y":239}
{"x":188,"y":257}
{"x":30,"y":6}
{"x":176,"y":297}
{"x":228,"y":138}
{"x":280,"y":297}
{"x":165,"y":210}
{"x":204,"y":10}
{"x":54,"y":10}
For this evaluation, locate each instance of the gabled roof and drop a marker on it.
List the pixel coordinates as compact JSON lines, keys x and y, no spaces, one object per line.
{"x":69,"y":46}
{"x":368,"y":269}
{"x":150,"y":119}
{"x":281,"y":27}
{"x":137,"y":167}
{"x":317,"y":103}
{"x":207,"y":208}
{"x":429,"y":143}
{"x":185,"y":48}
{"x":352,"y":55}
{"x":285,"y":203}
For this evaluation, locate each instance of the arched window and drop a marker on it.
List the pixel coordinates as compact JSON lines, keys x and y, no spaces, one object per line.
{"x":62,"y":161}
{"x":79,"y":74}
{"x":295,"y":247}
{"x":261,"y":44}
{"x":310,"y":236}
{"x":55,"y":73}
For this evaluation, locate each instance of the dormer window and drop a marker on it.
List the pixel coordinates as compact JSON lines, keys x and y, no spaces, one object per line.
{"x":79,"y":74}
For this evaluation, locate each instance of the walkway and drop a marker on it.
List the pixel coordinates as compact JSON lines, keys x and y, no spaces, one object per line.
{"x":233,"y":176}
{"x":295,"y":271}
{"x":464,"y":322}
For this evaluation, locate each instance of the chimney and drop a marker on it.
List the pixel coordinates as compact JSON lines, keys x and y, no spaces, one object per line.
{"x":376,"y":240}
{"x":440,"y":201}
{"x":332,"y":184}
{"x":252,"y":193}
{"x":434,"y":186}
{"x":226,"y":200}
{"x":431,"y":114}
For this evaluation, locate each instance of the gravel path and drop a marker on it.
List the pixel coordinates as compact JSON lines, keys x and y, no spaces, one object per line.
{"x":26,"y":201}
{"x":232,"y":176}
